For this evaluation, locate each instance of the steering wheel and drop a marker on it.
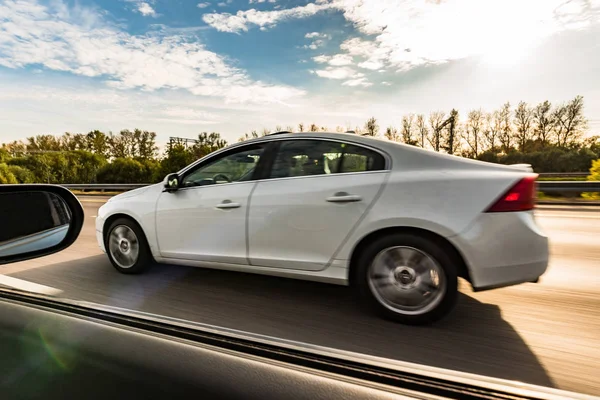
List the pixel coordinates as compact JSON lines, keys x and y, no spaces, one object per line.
{"x":225,"y":177}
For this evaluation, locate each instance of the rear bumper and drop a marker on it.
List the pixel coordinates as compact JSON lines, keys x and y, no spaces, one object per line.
{"x":503,"y":249}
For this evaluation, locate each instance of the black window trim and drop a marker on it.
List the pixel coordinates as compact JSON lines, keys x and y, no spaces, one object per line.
{"x":210,"y":158}
{"x":273,"y":151}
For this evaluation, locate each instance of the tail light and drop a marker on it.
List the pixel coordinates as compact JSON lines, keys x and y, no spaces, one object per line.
{"x":520,"y":197}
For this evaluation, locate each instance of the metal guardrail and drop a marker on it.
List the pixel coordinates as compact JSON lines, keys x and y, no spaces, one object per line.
{"x":104,"y":186}
{"x":563,"y":174}
{"x":568,"y":186}
{"x":543,"y":186}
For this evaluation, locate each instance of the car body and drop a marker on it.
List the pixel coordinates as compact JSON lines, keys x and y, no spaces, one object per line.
{"x":471,"y":218}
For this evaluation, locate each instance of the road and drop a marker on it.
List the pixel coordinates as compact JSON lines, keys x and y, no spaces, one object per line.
{"x":546,"y":333}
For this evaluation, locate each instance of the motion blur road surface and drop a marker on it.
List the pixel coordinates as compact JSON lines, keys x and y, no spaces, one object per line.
{"x":546,"y":333}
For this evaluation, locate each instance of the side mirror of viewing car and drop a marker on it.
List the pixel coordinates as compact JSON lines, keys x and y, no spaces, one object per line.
{"x":37,"y":220}
{"x":171,"y":182}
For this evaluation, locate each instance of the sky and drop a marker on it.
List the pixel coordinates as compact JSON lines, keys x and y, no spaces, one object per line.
{"x":179,"y":67}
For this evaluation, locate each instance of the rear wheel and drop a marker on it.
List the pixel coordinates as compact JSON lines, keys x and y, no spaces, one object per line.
{"x":407,"y":278}
{"x":126,"y":247}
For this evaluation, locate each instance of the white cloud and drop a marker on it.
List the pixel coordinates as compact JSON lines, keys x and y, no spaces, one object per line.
{"x":241,"y":21}
{"x":371,"y":64}
{"x":384,"y":83}
{"x":321,"y":59}
{"x":222,"y":4}
{"x":314,"y":45}
{"x":338,"y":73}
{"x":146,"y":9}
{"x":203,"y":5}
{"x":313,"y":35}
{"x":80,"y":42}
{"x":260,"y":1}
{"x":340,"y":59}
{"x":410,"y":33}
{"x":188,"y":115}
{"x":358,"y":82}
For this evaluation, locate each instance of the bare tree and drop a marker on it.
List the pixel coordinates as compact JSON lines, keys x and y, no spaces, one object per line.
{"x":300,"y":127}
{"x":265,"y":132}
{"x":493,"y":127}
{"x":505,"y":134}
{"x":523,"y":122}
{"x":407,"y":129}
{"x":313,"y":128}
{"x":340,"y":129}
{"x":371,"y":127}
{"x":451,"y":136}
{"x":436,"y":121}
{"x":472,"y":134}
{"x":543,"y":122}
{"x":392,"y":134}
{"x":289,"y":128}
{"x":278,"y":128}
{"x":324,"y":129}
{"x":422,"y":129}
{"x":570,"y":123}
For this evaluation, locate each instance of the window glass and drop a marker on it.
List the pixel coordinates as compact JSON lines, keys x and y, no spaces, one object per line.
{"x":321,"y":157}
{"x":233,"y":167}
{"x":359,"y":159}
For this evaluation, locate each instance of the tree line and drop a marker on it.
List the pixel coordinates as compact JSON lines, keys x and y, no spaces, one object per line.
{"x":549,"y":137}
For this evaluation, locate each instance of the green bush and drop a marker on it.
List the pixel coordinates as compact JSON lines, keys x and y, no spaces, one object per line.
{"x":6,"y":177}
{"x":128,"y":170}
{"x":22,"y":174}
{"x":593,"y":176}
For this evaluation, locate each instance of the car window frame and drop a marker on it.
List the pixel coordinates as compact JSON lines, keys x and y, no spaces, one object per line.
{"x":211,"y":158}
{"x":266,"y":171}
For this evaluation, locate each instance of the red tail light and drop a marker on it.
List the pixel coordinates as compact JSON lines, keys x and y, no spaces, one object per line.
{"x":520,"y":197}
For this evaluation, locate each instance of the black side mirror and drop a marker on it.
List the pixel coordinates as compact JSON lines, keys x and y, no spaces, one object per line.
{"x":37,"y":220}
{"x":171,"y":182}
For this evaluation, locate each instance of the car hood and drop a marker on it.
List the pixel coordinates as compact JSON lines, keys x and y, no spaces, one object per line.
{"x":130,"y":193}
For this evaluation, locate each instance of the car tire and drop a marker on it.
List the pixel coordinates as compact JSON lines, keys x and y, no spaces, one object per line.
{"x":393,"y":276}
{"x":129,"y":253}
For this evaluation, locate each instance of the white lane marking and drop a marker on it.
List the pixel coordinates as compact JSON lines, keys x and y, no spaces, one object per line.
{"x":28,"y":286}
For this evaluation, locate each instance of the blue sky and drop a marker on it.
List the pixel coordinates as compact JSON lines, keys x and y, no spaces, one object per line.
{"x":180,"y":67}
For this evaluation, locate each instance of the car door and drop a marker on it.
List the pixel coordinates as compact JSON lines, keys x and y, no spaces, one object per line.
{"x":205,"y":219}
{"x":316,"y":192}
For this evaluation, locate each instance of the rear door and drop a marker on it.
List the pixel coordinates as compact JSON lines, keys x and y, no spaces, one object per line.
{"x":315,"y":193}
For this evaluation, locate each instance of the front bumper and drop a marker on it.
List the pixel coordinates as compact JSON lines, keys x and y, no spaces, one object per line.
{"x":503,"y":249}
{"x":99,"y":234}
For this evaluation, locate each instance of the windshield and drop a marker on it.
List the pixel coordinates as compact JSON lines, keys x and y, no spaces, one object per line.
{"x":342,"y":233}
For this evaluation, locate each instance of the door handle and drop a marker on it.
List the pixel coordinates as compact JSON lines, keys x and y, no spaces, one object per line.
{"x":226,"y":204}
{"x":343,"y":197}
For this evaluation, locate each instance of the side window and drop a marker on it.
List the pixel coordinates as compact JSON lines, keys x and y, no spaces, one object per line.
{"x":359,"y":159}
{"x":322,"y":157}
{"x":233,"y":167}
{"x":306,"y":157}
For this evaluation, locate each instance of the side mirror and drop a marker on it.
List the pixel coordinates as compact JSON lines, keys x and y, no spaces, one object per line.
{"x":171,"y":182}
{"x":37,"y":220}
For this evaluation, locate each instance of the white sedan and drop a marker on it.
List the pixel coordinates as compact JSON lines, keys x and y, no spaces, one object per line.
{"x":398,"y":223}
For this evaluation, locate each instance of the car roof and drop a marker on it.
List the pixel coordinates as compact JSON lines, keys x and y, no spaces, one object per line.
{"x":378,"y":142}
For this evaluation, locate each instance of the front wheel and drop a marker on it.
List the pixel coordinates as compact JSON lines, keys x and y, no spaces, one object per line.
{"x":126,"y":247}
{"x":408,"y":279}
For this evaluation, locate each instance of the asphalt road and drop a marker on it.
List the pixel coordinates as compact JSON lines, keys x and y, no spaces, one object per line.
{"x":546,"y":333}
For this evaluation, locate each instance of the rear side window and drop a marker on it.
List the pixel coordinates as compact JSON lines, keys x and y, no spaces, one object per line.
{"x":323,"y":157}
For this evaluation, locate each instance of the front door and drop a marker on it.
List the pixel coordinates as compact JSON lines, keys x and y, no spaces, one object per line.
{"x":205,"y":220}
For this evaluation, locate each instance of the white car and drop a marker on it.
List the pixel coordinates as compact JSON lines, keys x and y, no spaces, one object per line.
{"x":398,"y":223}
